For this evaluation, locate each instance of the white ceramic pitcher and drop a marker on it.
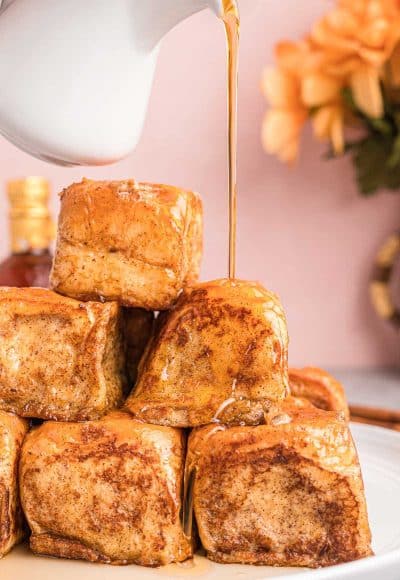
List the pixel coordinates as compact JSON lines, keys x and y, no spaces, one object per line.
{"x":75,"y":75}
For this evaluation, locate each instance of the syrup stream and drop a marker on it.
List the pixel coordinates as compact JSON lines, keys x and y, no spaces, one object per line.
{"x":231,"y":21}
{"x":232,"y":26}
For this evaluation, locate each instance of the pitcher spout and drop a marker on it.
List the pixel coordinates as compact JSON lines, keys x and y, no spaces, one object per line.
{"x":157,"y":18}
{"x":76,"y":96}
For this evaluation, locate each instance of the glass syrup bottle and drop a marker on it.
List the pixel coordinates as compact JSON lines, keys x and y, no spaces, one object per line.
{"x":31,"y":232}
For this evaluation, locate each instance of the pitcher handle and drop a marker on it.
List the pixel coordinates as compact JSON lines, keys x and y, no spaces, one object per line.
{"x":380,"y":292}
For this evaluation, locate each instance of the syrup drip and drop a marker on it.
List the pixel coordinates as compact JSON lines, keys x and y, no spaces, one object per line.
{"x":232,"y":26}
{"x":187,"y":522}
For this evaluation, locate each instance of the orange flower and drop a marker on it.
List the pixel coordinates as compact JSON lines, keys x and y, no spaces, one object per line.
{"x":284,"y":121}
{"x":357,"y":32}
{"x":354,"y":41}
{"x":356,"y":45}
{"x":293,"y":89}
{"x":282,"y":87}
{"x":324,"y":94}
{"x":319,"y":89}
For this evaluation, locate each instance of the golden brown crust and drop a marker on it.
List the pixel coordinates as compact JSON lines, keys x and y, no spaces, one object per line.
{"x":320,"y":388}
{"x":59,"y":358}
{"x":220,"y":355}
{"x":141,"y":254}
{"x":58,"y":547}
{"x":12,"y":528}
{"x":106,"y":491}
{"x":289,"y":493}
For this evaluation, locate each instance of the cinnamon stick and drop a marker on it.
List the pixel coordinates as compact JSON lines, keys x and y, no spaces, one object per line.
{"x":378,"y":423}
{"x":376,"y":413}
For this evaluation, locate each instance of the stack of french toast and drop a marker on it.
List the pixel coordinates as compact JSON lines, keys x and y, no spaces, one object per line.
{"x":145,"y":414}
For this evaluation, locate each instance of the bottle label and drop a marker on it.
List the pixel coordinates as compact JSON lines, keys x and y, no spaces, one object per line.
{"x":31,"y":233}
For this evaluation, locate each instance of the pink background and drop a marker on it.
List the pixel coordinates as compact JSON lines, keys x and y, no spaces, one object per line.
{"x":304,"y":232}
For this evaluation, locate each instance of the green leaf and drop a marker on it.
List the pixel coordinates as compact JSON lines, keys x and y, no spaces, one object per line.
{"x":392,"y":180}
{"x":376,"y":157}
{"x":396,"y":119}
{"x":394,"y":158}
{"x":348,"y":146}
{"x":348,"y":99}
{"x":371,"y":161}
{"x":382,"y":126}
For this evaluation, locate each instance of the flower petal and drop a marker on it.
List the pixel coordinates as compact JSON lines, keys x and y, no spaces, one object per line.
{"x":321,"y":122}
{"x":290,"y":152}
{"x":337,"y":132}
{"x":288,"y":55}
{"x":281,"y":88}
{"x":318,"y":89}
{"x":281,"y":132}
{"x":367,"y":93}
{"x":328,"y":124}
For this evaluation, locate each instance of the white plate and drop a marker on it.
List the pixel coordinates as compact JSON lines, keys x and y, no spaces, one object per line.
{"x":379,"y":451}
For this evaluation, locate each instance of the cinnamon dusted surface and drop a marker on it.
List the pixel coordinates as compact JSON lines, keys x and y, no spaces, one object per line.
{"x":136,"y":243}
{"x":220,"y":355}
{"x":320,"y":388}
{"x":289,"y":493}
{"x":59,"y":358}
{"x":12,"y":432}
{"x":105,"y":491}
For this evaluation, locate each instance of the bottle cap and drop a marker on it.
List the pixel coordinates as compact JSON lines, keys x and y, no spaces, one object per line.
{"x":29,"y":195}
{"x":31,"y":225}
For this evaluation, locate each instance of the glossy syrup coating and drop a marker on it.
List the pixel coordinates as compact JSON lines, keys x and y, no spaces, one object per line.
{"x":136,"y":243}
{"x":288,"y":493}
{"x":105,"y":491}
{"x":320,"y":388}
{"x":219,"y":355}
{"x":59,"y":358}
{"x":12,"y":433}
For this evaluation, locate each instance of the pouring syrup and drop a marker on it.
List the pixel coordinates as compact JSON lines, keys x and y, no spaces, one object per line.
{"x":232,"y":27}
